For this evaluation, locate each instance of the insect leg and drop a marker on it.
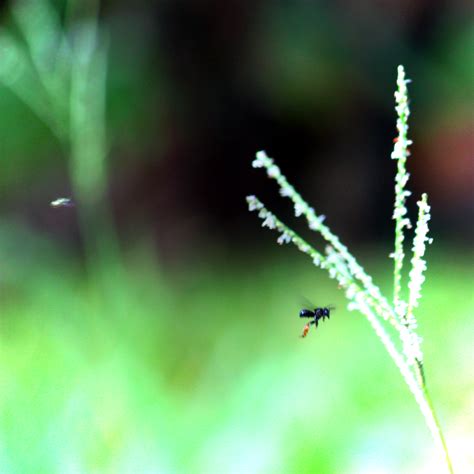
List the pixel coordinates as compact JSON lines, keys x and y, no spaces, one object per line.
{"x":305,"y":330}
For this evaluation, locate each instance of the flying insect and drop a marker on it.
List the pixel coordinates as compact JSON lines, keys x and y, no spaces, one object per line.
{"x":62,"y":202}
{"x":316,"y":315}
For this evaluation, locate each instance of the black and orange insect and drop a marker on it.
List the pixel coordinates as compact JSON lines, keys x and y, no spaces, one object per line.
{"x":316,"y":315}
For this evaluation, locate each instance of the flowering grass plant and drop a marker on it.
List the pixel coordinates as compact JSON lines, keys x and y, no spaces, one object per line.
{"x":362,"y":293}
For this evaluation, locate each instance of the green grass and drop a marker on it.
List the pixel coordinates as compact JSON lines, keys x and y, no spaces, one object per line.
{"x":203,"y":371}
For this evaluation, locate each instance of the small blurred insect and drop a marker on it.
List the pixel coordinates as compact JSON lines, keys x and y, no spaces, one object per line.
{"x":316,"y":315}
{"x":62,"y":202}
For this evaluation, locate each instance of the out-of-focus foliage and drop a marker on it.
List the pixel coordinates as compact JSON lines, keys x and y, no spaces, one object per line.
{"x":205,"y":372}
{"x":195,"y":86}
{"x":178,"y":351}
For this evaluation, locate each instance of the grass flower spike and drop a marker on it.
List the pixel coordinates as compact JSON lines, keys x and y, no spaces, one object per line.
{"x":362,"y":293}
{"x":400,"y":153}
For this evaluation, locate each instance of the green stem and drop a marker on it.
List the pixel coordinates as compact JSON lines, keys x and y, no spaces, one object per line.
{"x":438,"y":435}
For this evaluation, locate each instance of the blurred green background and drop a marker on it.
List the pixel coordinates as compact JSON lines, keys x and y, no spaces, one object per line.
{"x":153,"y":327}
